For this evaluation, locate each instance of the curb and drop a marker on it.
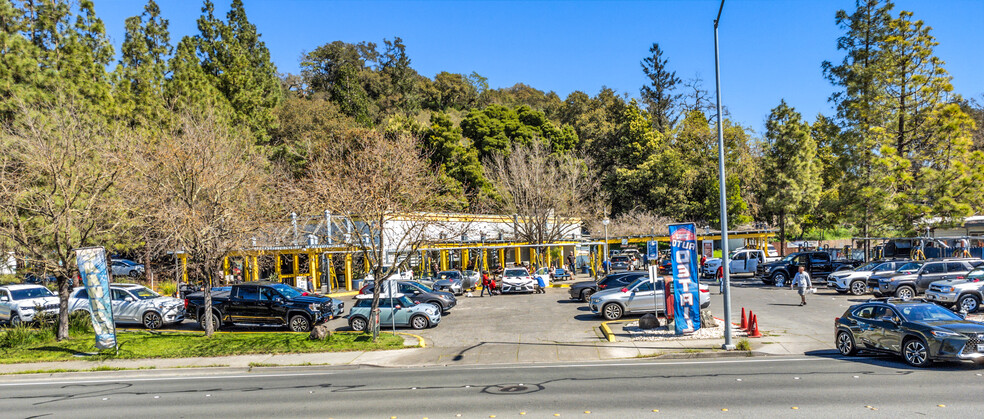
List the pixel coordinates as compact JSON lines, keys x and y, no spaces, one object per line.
{"x":607,"y":331}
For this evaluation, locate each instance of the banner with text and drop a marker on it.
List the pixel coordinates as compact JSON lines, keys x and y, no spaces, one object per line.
{"x":686,"y":291}
{"x":95,"y":277}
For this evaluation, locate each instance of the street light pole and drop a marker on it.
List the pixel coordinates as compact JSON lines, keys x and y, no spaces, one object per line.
{"x":605,"y":222}
{"x":728,"y":345}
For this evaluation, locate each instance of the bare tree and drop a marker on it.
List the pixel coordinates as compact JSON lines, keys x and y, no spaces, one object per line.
{"x":632,"y":223}
{"x":58,"y":180}
{"x":387,"y":191}
{"x":550,"y":194}
{"x":203,"y":190}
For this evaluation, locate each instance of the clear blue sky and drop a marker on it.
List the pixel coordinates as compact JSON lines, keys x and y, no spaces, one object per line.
{"x":769,"y":49}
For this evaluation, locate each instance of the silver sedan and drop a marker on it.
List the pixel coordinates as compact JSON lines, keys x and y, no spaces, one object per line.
{"x":637,"y":297}
{"x":134,"y":303}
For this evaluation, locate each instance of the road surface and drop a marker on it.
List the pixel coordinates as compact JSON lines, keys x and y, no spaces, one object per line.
{"x":820,"y":384}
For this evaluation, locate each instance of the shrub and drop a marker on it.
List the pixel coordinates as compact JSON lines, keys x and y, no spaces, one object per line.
{"x":23,"y":336}
{"x":167,"y":288}
{"x":744,"y":345}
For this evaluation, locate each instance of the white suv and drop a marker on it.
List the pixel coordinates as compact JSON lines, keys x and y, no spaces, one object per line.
{"x":856,"y":281}
{"x":963,"y":294}
{"x":23,"y":302}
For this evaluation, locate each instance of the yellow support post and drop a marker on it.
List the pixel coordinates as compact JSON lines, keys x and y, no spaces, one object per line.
{"x":276,"y":268}
{"x":365,"y":264}
{"x":548,"y":257}
{"x":464,"y":259}
{"x":297,"y":267}
{"x":519,"y":256}
{"x":502,"y":257}
{"x":444,"y":260}
{"x":184,"y":267}
{"x":485,"y":260}
{"x":533,"y":260}
{"x":348,"y":272}
{"x":313,"y":269}
{"x":256,"y":268}
{"x":225,"y":268}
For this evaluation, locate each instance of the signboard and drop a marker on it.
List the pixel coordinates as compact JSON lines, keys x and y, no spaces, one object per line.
{"x":92,"y":269}
{"x":652,"y":248}
{"x":707,"y":248}
{"x":625,"y":242}
{"x":686,"y":291}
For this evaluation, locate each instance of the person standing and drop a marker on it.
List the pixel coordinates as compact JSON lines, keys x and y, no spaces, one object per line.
{"x":486,"y":284}
{"x":802,"y":279}
{"x":570,"y":263}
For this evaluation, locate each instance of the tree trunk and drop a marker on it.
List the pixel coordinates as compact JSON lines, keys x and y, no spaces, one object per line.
{"x":63,"y":290}
{"x":782,"y":233}
{"x":207,"y":312}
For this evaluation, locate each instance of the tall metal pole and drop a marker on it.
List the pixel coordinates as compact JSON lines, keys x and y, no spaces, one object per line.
{"x":725,"y":264}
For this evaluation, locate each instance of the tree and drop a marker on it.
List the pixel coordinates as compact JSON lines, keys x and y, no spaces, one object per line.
{"x":336,"y":69}
{"x":190,"y":89}
{"x":450,"y":91}
{"x":140,"y":75}
{"x":240,"y":68}
{"x":458,"y":160}
{"x":401,"y":87}
{"x":858,"y":110}
{"x":551,"y":194}
{"x":496,"y":128}
{"x":386,"y":190}
{"x":658,"y":95}
{"x":59,"y":175}
{"x":201,"y":188}
{"x":793,"y":186}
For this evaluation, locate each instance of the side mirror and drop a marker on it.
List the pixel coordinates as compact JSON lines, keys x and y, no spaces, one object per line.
{"x":416,"y":292}
{"x":278,"y":299}
{"x":130,"y":299}
{"x":397,"y":307}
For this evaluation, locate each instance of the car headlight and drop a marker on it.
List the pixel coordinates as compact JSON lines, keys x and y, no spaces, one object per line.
{"x":314,"y":307}
{"x":946,"y":289}
{"x":943,"y":333}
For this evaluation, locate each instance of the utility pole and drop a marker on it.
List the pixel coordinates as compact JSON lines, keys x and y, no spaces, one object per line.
{"x":728,"y":345}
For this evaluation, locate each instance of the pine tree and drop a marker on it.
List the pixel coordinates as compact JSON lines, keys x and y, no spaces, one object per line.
{"x":190,"y":89}
{"x":142,"y":70}
{"x":789,"y":163}
{"x":658,"y":94}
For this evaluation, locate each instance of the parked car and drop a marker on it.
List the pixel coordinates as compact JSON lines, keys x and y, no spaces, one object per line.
{"x":264,"y":304}
{"x":621,"y":263}
{"x":907,"y":268}
{"x":582,"y":290}
{"x":855,"y":281}
{"x":817,"y":264}
{"x":419,"y":293}
{"x":745,"y":261}
{"x":919,"y":331}
{"x":39,"y":279}
{"x":451,"y":281}
{"x":962,"y":294}
{"x":132,"y":303}
{"x":22,"y":303}
{"x":665,"y":266}
{"x":635,"y":257}
{"x":908,"y":285}
{"x":126,"y":267}
{"x":635,"y":298}
{"x":516,"y":280}
{"x":772,"y":252}
{"x":473,"y":278}
{"x":406,"y":275}
{"x":399,"y":310}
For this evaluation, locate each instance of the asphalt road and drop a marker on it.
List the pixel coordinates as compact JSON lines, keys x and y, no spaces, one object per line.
{"x":821,"y":384}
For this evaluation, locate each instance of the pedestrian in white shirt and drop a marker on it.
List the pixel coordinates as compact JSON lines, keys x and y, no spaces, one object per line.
{"x":803,"y":280}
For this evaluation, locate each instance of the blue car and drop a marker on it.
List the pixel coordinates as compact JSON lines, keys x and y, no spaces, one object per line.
{"x":398,"y":310}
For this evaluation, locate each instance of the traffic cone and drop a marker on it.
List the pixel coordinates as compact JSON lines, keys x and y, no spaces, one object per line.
{"x":744,"y":320}
{"x":748,"y":325}
{"x":754,"y":328}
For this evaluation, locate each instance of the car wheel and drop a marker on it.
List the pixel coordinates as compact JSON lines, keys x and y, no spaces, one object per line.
{"x":299,"y":323}
{"x":15,"y":321}
{"x":133,"y":274}
{"x":969,"y":303}
{"x":859,"y":287}
{"x":419,"y":322}
{"x":586,"y":295}
{"x":152,"y":320}
{"x":915,"y":352}
{"x":905,"y":292}
{"x":216,"y":322}
{"x":357,"y":324}
{"x":779,"y":279}
{"x":845,"y":344}
{"x":612,"y":311}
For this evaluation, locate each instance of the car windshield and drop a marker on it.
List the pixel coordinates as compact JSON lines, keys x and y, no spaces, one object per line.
{"x":789,"y":258}
{"x":870,"y":267}
{"x":513,"y":273}
{"x":470,"y":273}
{"x":404,"y":302}
{"x":286,"y":290}
{"x":927,"y":313}
{"x":637,"y":282}
{"x":29,"y":293}
{"x":887,"y":266}
{"x":976,"y":274}
{"x":449,"y":275}
{"x":420,"y":286}
{"x":910,"y":267}
{"x":144,"y":293}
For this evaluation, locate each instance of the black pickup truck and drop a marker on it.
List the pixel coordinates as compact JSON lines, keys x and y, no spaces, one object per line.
{"x":264,"y":304}
{"x":818,"y":265}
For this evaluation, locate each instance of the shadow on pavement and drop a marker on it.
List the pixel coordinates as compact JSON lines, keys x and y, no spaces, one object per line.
{"x":891,"y":361}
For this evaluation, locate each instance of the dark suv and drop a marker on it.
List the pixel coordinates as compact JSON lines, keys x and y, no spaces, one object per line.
{"x":909,"y":284}
{"x":917,"y":330}
{"x":582,"y":290}
{"x":817,"y":264}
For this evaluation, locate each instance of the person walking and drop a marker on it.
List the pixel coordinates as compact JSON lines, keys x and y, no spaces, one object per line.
{"x":802,"y":279}
{"x":486,"y":284}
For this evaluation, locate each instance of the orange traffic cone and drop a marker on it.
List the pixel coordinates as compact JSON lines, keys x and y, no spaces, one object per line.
{"x":748,"y":325}
{"x":744,"y":320}
{"x":753,"y":331}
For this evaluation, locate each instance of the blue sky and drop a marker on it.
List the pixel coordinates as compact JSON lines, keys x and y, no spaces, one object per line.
{"x":770,"y":50}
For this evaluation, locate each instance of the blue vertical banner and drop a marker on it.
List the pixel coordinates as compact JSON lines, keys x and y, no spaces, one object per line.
{"x":686,"y":291}
{"x":652,"y":250}
{"x":95,"y":277}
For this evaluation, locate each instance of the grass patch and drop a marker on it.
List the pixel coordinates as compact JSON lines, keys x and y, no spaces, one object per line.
{"x":42,"y":347}
{"x":692,"y":351}
{"x":744,"y":345}
{"x":58,"y":370}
